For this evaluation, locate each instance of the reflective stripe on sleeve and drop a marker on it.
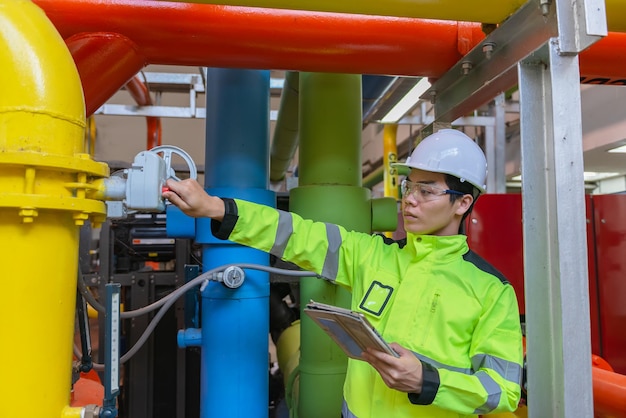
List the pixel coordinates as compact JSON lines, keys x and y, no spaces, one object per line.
{"x":507,"y":369}
{"x":283,"y":233}
{"x":331,"y":261}
{"x":494,"y":392}
{"x":441,"y":365}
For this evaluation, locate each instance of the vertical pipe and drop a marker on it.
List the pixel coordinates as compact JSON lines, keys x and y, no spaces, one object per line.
{"x":139,"y":91}
{"x":390,"y":156}
{"x":235,"y":323}
{"x":329,"y":190}
{"x":42,"y":122}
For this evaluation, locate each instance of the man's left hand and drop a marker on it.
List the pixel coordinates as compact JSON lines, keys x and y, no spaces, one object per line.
{"x":402,"y":373}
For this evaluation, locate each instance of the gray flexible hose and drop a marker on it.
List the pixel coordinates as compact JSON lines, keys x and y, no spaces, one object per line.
{"x":167,"y":301}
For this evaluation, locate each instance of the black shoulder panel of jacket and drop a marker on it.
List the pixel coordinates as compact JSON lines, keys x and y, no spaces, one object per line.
{"x":484,"y":265}
{"x":401,"y":242}
{"x":223,"y":229}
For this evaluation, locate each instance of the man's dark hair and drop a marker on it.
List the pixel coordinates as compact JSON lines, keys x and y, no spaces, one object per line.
{"x":465,"y":187}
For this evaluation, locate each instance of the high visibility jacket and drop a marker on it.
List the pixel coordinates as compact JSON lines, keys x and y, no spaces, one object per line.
{"x":432,"y":296}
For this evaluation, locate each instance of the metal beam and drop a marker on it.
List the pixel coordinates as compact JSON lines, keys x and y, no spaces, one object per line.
{"x":555,"y":246}
{"x":489,"y":68}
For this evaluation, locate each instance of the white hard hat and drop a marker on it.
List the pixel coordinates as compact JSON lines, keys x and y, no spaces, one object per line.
{"x":451,"y":152}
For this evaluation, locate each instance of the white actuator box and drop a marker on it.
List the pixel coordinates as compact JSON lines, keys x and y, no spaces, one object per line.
{"x":146,"y":178}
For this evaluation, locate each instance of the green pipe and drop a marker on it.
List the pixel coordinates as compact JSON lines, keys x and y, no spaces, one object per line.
{"x":285,"y":139}
{"x":329,"y":190}
{"x":330,"y":118}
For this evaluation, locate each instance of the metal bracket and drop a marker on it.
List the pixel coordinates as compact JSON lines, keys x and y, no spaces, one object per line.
{"x":581,"y":23}
{"x":491,"y":66}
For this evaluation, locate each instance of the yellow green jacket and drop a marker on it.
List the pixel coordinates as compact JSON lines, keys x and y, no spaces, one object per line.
{"x":431,"y":295}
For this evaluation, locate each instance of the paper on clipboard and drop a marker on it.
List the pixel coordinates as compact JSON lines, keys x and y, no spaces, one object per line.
{"x":350,"y":330}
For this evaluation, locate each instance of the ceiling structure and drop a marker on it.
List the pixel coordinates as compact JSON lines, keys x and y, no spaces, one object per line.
{"x":179,"y":99}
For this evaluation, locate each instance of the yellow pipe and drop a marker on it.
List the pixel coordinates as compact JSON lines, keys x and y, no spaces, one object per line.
{"x":484,"y":11}
{"x":390,"y":156}
{"x":288,"y":354}
{"x":43,"y":176}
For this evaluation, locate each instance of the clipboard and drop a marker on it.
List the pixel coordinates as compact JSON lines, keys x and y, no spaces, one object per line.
{"x":350,"y":330}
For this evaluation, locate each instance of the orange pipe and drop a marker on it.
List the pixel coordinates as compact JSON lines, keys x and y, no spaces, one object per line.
{"x":173,"y":33}
{"x":605,"y":61}
{"x":140,"y":93}
{"x":105,"y":62}
{"x":609,"y":390}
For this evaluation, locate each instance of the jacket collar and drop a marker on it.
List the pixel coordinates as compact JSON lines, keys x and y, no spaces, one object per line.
{"x":441,"y":247}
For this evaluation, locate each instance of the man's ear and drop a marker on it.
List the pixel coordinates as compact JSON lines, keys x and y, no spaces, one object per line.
{"x":465,"y":202}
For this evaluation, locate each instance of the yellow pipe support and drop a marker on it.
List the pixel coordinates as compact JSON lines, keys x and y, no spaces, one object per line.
{"x":44,"y":177}
{"x":390,"y":156}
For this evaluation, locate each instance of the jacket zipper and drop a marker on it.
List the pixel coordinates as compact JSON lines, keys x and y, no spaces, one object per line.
{"x":433,"y":309}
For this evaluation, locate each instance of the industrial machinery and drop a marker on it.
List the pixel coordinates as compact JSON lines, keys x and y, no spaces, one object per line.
{"x":51,"y":187}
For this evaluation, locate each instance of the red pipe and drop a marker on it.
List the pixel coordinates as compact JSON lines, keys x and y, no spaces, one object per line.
{"x":105,"y":62}
{"x":191,"y":34}
{"x":188,"y":34}
{"x":140,"y":93}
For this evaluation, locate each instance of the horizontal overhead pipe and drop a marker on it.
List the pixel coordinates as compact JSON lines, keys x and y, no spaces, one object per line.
{"x":192,"y":34}
{"x":485,"y":11}
{"x":247,"y":37}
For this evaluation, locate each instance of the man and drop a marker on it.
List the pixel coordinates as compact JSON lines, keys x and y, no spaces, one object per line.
{"x":452,"y":318}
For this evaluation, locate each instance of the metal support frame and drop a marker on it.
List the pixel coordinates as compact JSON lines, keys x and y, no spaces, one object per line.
{"x":555,"y":246}
{"x":191,"y":84}
{"x":489,"y":68}
{"x":495,"y":140}
{"x":543,"y":41}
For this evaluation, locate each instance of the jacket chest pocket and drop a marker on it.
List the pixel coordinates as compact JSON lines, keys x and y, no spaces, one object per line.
{"x":376,"y":298}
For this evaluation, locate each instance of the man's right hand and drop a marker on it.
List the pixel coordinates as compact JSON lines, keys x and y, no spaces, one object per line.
{"x":189,"y":196}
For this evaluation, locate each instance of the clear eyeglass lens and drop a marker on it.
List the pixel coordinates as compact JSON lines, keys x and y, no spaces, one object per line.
{"x":420,"y":191}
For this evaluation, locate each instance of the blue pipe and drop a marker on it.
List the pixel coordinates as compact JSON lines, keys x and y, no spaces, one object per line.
{"x":235,"y":322}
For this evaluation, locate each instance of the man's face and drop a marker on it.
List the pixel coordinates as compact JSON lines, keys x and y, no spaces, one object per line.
{"x":426,"y":208}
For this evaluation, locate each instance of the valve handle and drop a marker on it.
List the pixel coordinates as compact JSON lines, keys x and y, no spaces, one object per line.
{"x":167,"y":151}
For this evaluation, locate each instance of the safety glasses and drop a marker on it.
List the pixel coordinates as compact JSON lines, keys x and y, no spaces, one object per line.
{"x":423,"y":192}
